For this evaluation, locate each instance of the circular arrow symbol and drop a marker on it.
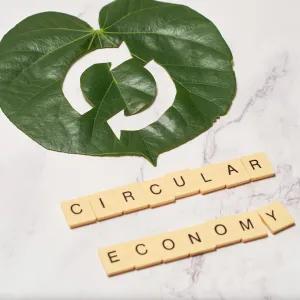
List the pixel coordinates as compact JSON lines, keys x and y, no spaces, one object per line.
{"x":189,"y":53}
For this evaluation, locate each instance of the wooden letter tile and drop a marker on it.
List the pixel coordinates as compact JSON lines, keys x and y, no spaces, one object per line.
{"x":225,"y":231}
{"x":145,"y":253}
{"x":234,"y":173}
{"x":78,"y":212}
{"x":182,"y":184}
{"x":131,"y":197}
{"x":258,"y":166}
{"x":251,"y":226}
{"x":276,"y":217}
{"x":157,"y":193}
{"x":116,"y":259}
{"x":209,"y":179}
{"x":198,"y":239}
{"x":171,"y":246}
{"x":105,"y":205}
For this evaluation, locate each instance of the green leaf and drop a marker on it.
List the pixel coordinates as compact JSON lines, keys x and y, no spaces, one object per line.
{"x":38,"y":52}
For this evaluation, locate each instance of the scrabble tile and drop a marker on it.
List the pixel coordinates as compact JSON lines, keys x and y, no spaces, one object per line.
{"x":251,"y":226}
{"x":258,"y":166}
{"x":116,"y":259}
{"x":105,"y":205}
{"x":233,"y":173}
{"x":225,"y":231}
{"x":157,"y":193}
{"x":183,"y":184}
{"x":276,"y":217}
{"x":198,"y":239}
{"x":171,"y":246}
{"x":209,"y":178}
{"x":78,"y":213}
{"x":145,"y":253}
{"x":131,"y":197}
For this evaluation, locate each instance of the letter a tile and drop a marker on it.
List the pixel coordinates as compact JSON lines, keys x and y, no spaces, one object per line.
{"x":234,"y":173}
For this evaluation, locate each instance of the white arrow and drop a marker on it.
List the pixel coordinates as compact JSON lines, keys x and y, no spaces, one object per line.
{"x":71,"y":86}
{"x":166,"y":92}
{"x":116,"y":56}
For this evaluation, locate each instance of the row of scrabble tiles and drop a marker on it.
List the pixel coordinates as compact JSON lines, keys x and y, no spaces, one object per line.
{"x":166,"y":190}
{"x":195,"y":240}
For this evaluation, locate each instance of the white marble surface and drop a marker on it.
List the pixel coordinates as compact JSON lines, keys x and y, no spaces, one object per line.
{"x":40,"y":258}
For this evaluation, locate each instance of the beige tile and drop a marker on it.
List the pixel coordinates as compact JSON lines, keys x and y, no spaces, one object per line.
{"x":144,"y":253}
{"x":78,"y":213}
{"x":225,"y":231}
{"x":198,"y":239}
{"x":276,"y":217}
{"x":233,"y":173}
{"x":157,"y":193}
{"x":209,"y":178}
{"x":258,"y":166}
{"x":251,"y":226}
{"x":132,"y":198}
{"x":116,"y":259}
{"x":171,"y":246}
{"x":182,"y":184}
{"x":105,"y":205}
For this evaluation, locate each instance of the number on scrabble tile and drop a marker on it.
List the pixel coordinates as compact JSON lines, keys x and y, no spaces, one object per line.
{"x":258,"y":166}
{"x":78,"y":212}
{"x":276,"y":217}
{"x":182,"y":184}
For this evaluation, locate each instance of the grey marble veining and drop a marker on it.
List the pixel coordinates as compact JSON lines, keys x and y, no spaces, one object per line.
{"x":40,"y":258}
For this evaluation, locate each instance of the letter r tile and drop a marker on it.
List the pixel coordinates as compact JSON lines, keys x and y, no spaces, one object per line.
{"x":131,"y":198}
{"x":258,"y":166}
